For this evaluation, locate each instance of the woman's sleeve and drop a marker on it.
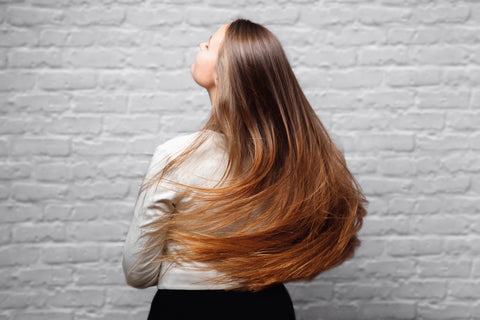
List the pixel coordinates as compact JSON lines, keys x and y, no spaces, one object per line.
{"x":140,"y":268}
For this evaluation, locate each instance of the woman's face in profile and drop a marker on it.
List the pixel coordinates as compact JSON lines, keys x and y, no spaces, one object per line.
{"x":204,"y":68}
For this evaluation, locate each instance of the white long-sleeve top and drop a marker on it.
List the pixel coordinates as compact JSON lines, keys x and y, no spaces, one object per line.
{"x":205,"y":165}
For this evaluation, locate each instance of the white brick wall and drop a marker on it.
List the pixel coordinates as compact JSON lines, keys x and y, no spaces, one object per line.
{"x":89,"y":88}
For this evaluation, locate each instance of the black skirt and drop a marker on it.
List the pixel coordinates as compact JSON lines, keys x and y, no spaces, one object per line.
{"x":271,"y":303}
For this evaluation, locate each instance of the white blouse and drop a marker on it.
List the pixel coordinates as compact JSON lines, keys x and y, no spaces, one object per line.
{"x":205,"y":165}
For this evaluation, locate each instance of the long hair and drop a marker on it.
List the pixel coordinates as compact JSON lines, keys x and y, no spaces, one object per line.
{"x":287,"y":207}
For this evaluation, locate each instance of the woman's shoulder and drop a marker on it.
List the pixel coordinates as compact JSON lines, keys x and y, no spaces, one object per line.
{"x":180,"y":142}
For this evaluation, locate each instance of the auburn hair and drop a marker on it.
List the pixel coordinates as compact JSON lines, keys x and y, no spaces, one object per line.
{"x":287,"y":207}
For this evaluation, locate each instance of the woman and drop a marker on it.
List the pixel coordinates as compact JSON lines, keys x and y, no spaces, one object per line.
{"x":258,"y":197}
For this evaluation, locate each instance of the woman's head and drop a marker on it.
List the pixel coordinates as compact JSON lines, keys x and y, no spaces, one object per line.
{"x":204,"y":68}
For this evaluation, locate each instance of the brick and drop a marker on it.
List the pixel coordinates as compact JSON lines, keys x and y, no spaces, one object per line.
{"x":40,"y":232}
{"x":95,"y":16}
{"x":383,"y":186}
{"x":181,"y":123}
{"x":476,"y":269}
{"x":133,"y":168}
{"x":14,"y":300}
{"x":54,"y":212}
{"x":141,"y":79}
{"x":28,"y":17}
{"x":355,"y":79}
{"x":463,"y":121}
{"x":18,"y":255}
{"x":354,"y":36}
{"x":94,"y":103}
{"x":198,"y":16}
{"x":420,"y":121}
{"x":103,"y":190}
{"x":44,"y":315}
{"x":86,"y":125}
{"x":3,"y":148}
{"x":440,"y":225}
{"x":405,"y":77}
{"x":444,"y":311}
{"x":329,"y":57}
{"x":16,"y":81}
{"x":140,"y":103}
{"x":326,"y":16}
{"x":410,"y":247}
{"x":390,"y":310}
{"x":131,"y":124}
{"x":383,"y":15}
{"x":439,"y":55}
{"x":347,"y":271}
{"x":387,"y":99}
{"x":363,"y":291}
{"x":444,"y":267}
{"x":12,"y":126}
{"x":145,"y":18}
{"x":41,"y":146}
{"x":154,"y":59}
{"x":99,"y":276}
{"x":119,"y":211}
{"x":397,"y":167}
{"x":401,"y":205}
{"x":52,"y":37}
{"x":464,"y":289}
{"x":314,"y":291}
{"x":342,"y":311}
{"x":4,"y":193}
{"x":390,"y":268}
{"x":15,"y":171}
{"x":96,"y":231}
{"x":42,"y":102}
{"x":81,"y":38}
{"x":441,"y":14}
{"x":442,"y":184}
{"x":52,"y":172}
{"x":370,"y":248}
{"x":272,"y":15}
{"x":359,"y":166}
{"x":3,"y":60}
{"x":399,"y":35}
{"x":99,"y":147}
{"x":35,"y":58}
{"x":71,"y":298}
{"x":95,"y":58}
{"x":31,"y":192}
{"x":388,"y":141}
{"x":51,"y":276}
{"x":112,"y":252}
{"x":421,"y":290}
{"x":63,"y":80}
{"x":113,"y":38}
{"x":84,"y":170}
{"x":443,"y":143}
{"x":18,"y":213}
{"x":385,"y":225}
{"x":5,"y":237}
{"x":73,"y":253}
{"x":382,"y":56}
{"x":313,"y":79}
{"x":460,"y":35}
{"x":126,"y":297}
{"x":17,"y":38}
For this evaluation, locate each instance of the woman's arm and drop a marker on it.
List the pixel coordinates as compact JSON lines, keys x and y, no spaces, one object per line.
{"x":140,"y":268}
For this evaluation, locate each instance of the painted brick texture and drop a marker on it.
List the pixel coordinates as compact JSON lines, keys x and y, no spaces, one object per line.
{"x":88,"y":89}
